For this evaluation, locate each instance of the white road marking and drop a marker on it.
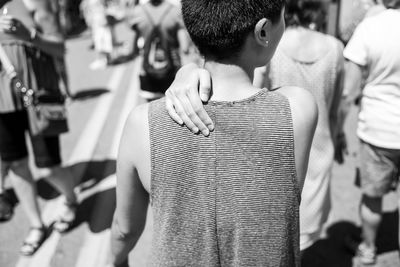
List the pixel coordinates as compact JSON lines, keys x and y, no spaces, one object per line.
{"x":83,"y":151}
{"x":95,"y":249}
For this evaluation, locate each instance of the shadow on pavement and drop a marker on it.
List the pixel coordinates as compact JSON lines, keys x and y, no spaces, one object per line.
{"x":90,"y":173}
{"x":332,"y":251}
{"x":89,"y":93}
{"x":97,"y":211}
{"x":388,"y":233}
{"x":338,"y":248}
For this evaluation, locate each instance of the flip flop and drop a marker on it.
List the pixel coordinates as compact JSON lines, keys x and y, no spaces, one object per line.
{"x":29,"y":248}
{"x":63,"y":225}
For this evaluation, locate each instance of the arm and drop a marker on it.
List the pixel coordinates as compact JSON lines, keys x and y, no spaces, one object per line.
{"x":336,"y":122}
{"x":305,"y":117}
{"x":51,"y":40}
{"x":132,"y":22}
{"x":135,"y":48}
{"x":132,"y":197}
{"x":183,"y":40}
{"x":352,"y":87}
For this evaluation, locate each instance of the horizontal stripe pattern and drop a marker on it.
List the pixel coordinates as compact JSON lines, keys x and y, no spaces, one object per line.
{"x":230,"y":199}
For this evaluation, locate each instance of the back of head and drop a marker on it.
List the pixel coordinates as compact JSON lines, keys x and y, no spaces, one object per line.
{"x":309,"y":14}
{"x":219,"y":27}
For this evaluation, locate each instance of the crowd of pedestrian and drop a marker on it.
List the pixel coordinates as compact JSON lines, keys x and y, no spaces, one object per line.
{"x":247,"y":181}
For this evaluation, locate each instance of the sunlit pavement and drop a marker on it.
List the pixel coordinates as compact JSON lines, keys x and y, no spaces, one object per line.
{"x":103,"y":100}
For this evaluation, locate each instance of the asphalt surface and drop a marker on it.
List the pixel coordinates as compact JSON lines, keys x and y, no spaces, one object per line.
{"x":102,"y":101}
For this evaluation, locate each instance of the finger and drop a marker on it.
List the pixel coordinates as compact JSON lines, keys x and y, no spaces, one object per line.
{"x":201,"y":120}
{"x":191,"y":113}
{"x":171,"y":110}
{"x":182,"y":114}
{"x":205,"y":85}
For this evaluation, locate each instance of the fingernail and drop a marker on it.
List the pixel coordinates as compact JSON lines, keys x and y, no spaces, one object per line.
{"x":210,"y":127}
{"x":196,"y":130}
{"x":204,"y":97}
{"x":206,"y":132}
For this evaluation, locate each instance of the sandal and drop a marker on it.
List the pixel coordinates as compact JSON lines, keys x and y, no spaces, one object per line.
{"x":30,"y":247}
{"x":64,"y":223}
{"x":6,"y":207}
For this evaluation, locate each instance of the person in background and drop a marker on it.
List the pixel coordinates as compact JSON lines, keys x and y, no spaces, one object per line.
{"x":311,"y":60}
{"x":375,"y":9}
{"x":375,"y":49}
{"x":30,"y":37}
{"x":231,"y":198}
{"x":103,"y":35}
{"x":6,"y":205}
{"x":172,"y":48}
{"x":314,"y":61}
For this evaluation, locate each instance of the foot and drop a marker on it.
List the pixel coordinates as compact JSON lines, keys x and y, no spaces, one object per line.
{"x":367,"y":255}
{"x":35,"y":238}
{"x":66,"y":218}
{"x":6,"y":207}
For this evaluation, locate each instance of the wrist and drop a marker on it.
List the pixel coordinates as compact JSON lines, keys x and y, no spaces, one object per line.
{"x":33,"y":35}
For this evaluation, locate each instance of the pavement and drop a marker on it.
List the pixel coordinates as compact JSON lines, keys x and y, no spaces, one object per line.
{"x":103,"y":98}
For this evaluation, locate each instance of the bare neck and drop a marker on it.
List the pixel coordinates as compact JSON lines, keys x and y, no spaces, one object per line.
{"x":230,"y":82}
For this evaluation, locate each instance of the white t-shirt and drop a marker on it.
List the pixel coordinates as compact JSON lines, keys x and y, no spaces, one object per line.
{"x":376,"y":46}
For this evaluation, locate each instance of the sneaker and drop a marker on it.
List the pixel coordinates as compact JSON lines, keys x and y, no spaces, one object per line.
{"x":367,"y":255}
{"x":6,"y":207}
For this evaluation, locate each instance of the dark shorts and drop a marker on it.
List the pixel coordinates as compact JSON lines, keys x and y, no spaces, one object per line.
{"x":13,"y":127}
{"x":379,"y":169}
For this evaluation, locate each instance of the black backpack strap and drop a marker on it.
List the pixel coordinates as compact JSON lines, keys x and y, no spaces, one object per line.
{"x":163,"y":15}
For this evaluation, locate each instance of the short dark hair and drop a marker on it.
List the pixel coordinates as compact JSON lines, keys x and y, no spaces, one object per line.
{"x":219,"y":27}
{"x":303,"y":13}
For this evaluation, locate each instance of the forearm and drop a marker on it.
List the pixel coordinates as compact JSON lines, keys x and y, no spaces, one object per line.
{"x":122,"y":244}
{"x":351,"y":89}
{"x":52,"y":46}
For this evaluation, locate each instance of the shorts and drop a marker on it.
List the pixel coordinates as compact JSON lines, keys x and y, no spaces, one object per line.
{"x":13,"y":126}
{"x":379,"y":169}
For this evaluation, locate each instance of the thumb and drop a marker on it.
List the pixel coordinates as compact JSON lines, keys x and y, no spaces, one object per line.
{"x":205,"y":85}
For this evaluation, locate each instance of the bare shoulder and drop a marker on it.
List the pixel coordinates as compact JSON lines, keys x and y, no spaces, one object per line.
{"x":305,"y":117}
{"x":302,"y":102}
{"x":304,"y":110}
{"x":135,"y":136}
{"x":138,"y":115}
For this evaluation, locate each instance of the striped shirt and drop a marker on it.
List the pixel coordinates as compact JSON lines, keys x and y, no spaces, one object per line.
{"x":230,"y":199}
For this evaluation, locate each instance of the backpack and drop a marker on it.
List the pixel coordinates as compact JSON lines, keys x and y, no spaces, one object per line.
{"x":158,"y":62}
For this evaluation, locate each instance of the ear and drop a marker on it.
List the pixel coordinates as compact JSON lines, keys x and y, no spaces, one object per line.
{"x":262,"y":31}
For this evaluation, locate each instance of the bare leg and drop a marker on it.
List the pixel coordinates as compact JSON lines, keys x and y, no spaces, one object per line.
{"x":371,"y":217}
{"x":63,"y":180}
{"x":25,"y":188}
{"x":3,"y":173}
{"x":6,"y":206}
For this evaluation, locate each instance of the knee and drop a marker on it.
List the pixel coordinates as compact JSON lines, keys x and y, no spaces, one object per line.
{"x":49,"y":172}
{"x":20,"y":168}
{"x":18,"y":165}
{"x":371,"y":206}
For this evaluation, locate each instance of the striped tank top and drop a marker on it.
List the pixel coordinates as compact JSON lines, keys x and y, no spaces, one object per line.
{"x":230,"y":199}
